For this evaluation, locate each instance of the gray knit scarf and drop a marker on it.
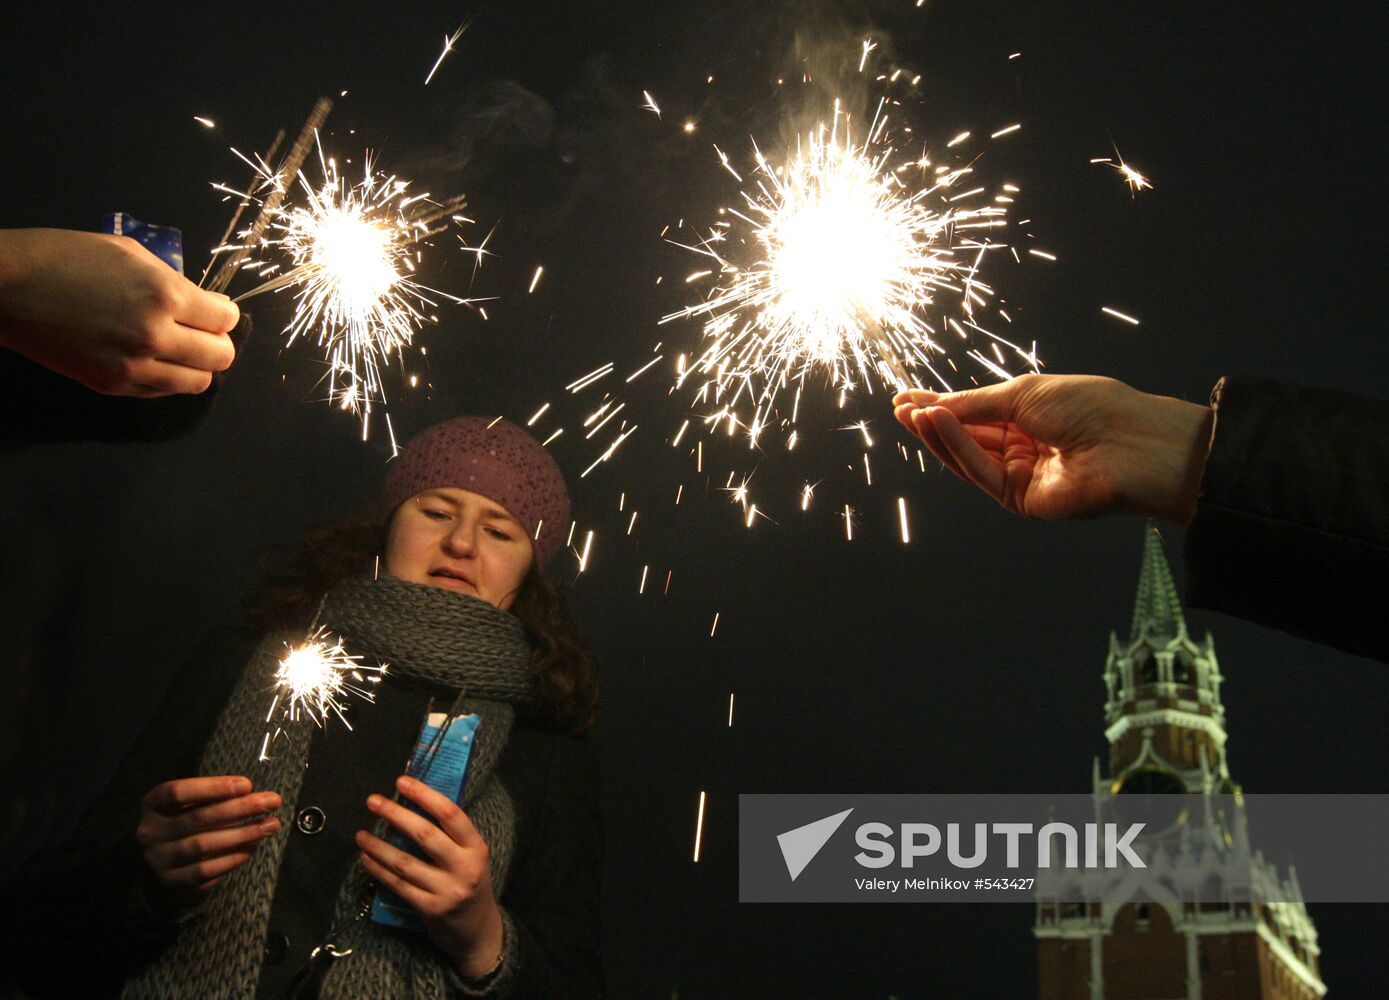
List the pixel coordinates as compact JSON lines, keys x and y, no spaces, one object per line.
{"x":422,"y":632}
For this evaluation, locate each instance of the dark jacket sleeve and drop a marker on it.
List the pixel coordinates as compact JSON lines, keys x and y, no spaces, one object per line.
{"x":1292,"y":525}
{"x":87,"y":922}
{"x":38,"y":406}
{"x":551,"y":903}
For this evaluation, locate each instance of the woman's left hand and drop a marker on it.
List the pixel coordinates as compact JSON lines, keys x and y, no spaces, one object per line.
{"x":452,"y":890}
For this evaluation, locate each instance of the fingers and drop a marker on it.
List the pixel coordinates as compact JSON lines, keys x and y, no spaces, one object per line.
{"x":203,"y":874}
{"x":435,"y":843}
{"x":173,"y":797}
{"x":916,"y":397}
{"x":971,"y":461}
{"x":230,"y":812}
{"x":989,"y":404}
{"x":208,"y":845}
{"x":206,"y":311}
{"x":921,"y":423}
{"x":404,"y":866}
{"x":182,"y":344}
{"x":416,"y":897}
{"x":453,"y":820}
{"x":151,"y":377}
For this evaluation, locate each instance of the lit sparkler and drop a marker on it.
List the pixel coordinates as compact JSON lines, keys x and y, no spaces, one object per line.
{"x":845,"y":252}
{"x":350,"y":251}
{"x":313,"y":680}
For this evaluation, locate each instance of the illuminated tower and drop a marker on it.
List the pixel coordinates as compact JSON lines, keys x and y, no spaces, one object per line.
{"x":1174,"y":930}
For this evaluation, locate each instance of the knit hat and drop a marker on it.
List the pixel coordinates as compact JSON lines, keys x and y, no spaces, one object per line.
{"x":493,"y":458}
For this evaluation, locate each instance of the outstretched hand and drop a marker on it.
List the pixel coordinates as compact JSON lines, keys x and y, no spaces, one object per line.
{"x":1067,"y":446}
{"x":452,"y":889}
{"x":106,"y":312}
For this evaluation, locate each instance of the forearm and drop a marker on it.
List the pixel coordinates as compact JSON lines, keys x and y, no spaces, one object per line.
{"x":14,"y":269}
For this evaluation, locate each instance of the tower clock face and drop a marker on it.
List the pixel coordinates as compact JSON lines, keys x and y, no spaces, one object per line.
{"x":1153,"y":796}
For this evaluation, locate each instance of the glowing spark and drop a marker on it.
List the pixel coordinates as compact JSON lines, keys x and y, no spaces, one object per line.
{"x":957,"y":140}
{"x":205,"y":122}
{"x":902,"y":518}
{"x":848,"y":522}
{"x":1005,"y":130}
{"x":535,"y":278}
{"x":699,"y":827}
{"x":314,"y":678}
{"x":552,"y":437}
{"x":715,"y":627}
{"x":1135,"y":180}
{"x":868,"y":46}
{"x":587,"y":380}
{"x":641,"y":588}
{"x":583,"y":558}
{"x":1118,"y":315}
{"x":448,"y":47}
{"x":1042,"y":253}
{"x":650,"y":104}
{"x":845,"y":259}
{"x":689,"y":127}
{"x":730,"y":709}
{"x":537,"y":415}
{"x":807,"y":492}
{"x":350,"y":251}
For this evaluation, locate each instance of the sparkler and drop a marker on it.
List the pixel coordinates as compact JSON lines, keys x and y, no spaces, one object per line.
{"x":845,"y":252}
{"x":349,"y":251}
{"x":314,"y":679}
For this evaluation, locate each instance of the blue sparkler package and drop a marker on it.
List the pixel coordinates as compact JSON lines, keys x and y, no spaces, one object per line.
{"x":440,"y":760}
{"x":165,"y":242}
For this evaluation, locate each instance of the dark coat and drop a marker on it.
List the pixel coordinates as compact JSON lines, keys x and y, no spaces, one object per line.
{"x":88,"y":900}
{"x":1292,"y":526}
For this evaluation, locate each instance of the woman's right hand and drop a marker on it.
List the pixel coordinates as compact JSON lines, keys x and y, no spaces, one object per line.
{"x":195,"y":830}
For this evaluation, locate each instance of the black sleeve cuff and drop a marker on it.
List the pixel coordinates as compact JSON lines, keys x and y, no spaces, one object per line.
{"x":1292,"y":525}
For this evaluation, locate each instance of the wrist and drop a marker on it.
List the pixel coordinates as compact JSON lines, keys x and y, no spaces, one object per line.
{"x":485,"y":953}
{"x":1167,"y":448}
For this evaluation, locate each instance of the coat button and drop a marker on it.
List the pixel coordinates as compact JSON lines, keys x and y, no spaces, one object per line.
{"x":310,"y":821}
{"x":276,"y":948}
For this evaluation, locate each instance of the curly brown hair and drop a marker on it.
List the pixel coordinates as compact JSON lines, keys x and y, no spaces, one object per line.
{"x":566,"y":677}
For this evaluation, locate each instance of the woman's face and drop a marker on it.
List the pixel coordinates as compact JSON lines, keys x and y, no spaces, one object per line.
{"x":461,"y":541}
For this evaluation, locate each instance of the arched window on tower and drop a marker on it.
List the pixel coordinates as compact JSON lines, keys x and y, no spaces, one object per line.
{"x":1183,"y":672}
{"x":1147,"y":669}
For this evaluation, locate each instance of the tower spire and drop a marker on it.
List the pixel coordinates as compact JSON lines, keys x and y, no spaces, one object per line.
{"x":1157,"y":604}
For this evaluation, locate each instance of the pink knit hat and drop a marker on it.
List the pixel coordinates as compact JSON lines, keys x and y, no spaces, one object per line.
{"x":494,"y":458}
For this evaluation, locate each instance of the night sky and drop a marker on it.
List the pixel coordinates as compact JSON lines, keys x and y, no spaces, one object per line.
{"x":967,"y":661}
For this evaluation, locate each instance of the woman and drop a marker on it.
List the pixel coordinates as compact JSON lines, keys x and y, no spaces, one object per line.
{"x":256,"y":878}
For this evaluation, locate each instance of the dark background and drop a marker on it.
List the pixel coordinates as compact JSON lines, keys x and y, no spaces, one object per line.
{"x":967,"y":661}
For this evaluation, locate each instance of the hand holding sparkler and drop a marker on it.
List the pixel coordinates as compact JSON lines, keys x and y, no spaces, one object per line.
{"x":195,"y":830}
{"x":1067,"y":446}
{"x":452,"y":891}
{"x":106,"y":312}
